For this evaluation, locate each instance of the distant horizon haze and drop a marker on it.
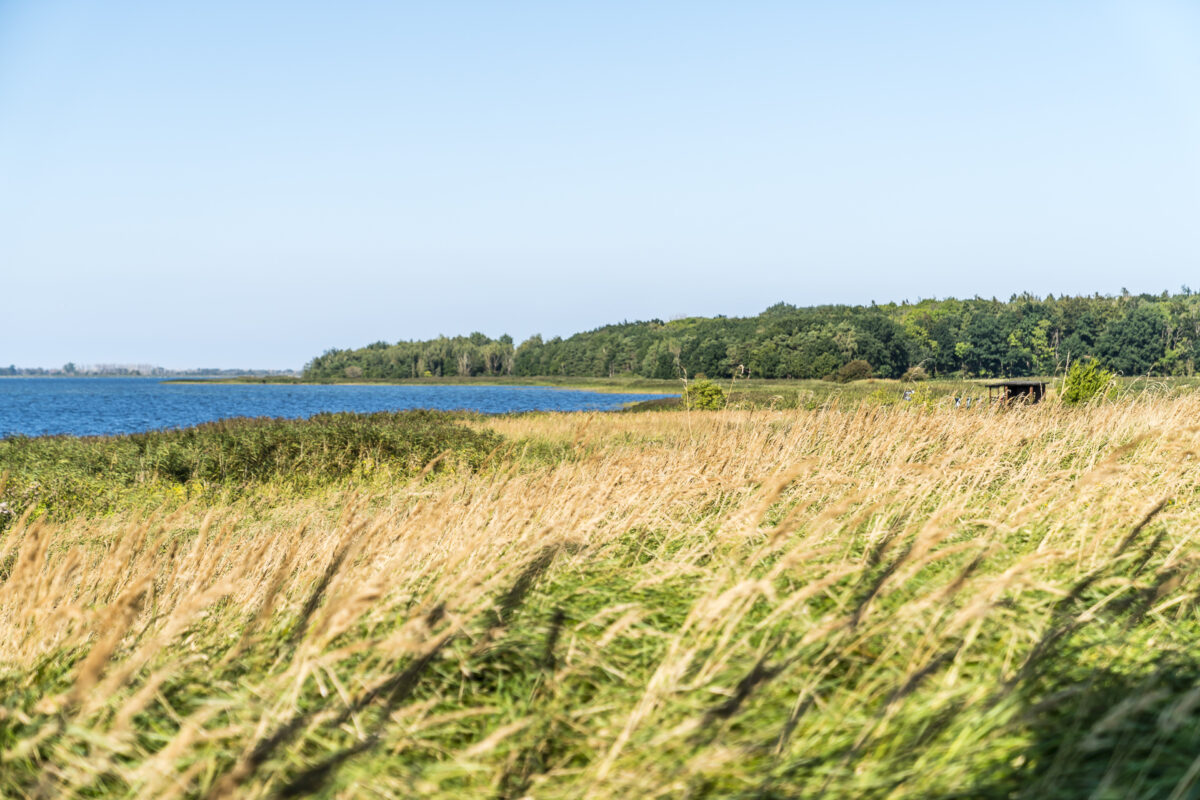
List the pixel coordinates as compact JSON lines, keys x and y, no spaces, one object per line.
{"x":228,"y":184}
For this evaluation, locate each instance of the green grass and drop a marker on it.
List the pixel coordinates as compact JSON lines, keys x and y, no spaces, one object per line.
{"x":859,"y":600}
{"x":68,"y":475}
{"x":761,"y":393}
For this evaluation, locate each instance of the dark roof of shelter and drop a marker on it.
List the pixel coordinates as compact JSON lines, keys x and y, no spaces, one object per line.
{"x":996,"y":384}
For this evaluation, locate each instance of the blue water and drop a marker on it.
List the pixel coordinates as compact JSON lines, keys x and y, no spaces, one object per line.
{"x":95,"y":406}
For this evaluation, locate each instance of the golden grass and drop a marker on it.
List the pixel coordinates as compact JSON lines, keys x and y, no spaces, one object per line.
{"x":861,"y":602}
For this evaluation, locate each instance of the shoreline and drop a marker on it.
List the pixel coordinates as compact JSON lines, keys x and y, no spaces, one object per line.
{"x":603,"y":386}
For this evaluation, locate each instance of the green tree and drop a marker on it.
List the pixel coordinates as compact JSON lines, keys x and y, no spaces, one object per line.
{"x":703,"y":395}
{"x":1086,"y":381}
{"x":855,"y":370}
{"x":1133,"y":343}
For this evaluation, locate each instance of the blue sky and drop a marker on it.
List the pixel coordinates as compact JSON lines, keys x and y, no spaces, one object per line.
{"x":248,"y":184}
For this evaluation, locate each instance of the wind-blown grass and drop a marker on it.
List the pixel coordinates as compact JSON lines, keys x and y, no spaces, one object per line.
{"x":870,"y":602}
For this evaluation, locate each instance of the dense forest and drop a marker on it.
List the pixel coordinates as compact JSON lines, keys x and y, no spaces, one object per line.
{"x":1027,"y":335}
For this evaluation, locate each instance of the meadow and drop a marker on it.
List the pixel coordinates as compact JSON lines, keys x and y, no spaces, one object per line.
{"x":775,"y":600}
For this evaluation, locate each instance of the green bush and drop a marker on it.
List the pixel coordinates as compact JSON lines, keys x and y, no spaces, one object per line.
{"x":703,"y":395}
{"x":856,"y":370}
{"x":913,"y":374}
{"x":1087,"y":381}
{"x":68,"y":473}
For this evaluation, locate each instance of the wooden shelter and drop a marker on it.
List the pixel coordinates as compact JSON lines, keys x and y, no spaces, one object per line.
{"x":1024,"y":391}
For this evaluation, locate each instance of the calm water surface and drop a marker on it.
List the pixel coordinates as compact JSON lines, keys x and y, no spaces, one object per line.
{"x":94,"y":406}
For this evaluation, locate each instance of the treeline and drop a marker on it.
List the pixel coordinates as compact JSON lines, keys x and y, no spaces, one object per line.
{"x":1027,"y":335}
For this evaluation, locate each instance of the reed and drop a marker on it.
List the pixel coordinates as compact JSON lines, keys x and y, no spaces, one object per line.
{"x":866,"y":601}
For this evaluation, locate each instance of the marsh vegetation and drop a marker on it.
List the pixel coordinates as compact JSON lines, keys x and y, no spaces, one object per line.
{"x":852,"y":600}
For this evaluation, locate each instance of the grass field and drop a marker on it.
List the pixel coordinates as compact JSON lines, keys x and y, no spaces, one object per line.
{"x":757,"y":392}
{"x":849,"y":600}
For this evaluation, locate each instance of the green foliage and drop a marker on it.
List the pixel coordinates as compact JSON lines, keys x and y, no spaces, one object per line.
{"x":1133,"y":343}
{"x":704,"y":395}
{"x":460,"y":356}
{"x":1085,"y":381}
{"x":1022,"y":337}
{"x":885,"y":396}
{"x":66,"y":473}
{"x":791,"y":651}
{"x":914,"y":374}
{"x":856,"y":370}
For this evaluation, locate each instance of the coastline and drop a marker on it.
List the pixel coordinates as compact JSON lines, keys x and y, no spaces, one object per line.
{"x":604,"y":385}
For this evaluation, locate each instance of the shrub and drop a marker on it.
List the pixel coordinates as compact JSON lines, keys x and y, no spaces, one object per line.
{"x":884,"y":397}
{"x":856,"y":370}
{"x":913,"y":374}
{"x":87,"y":474}
{"x":703,"y":395}
{"x":1086,"y":381}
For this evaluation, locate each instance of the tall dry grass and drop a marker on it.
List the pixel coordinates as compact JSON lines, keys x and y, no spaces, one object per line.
{"x":877,"y":601}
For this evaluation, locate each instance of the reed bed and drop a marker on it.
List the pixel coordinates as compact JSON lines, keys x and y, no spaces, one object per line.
{"x":878,"y":601}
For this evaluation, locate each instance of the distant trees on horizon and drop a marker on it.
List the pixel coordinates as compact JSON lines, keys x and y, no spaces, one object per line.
{"x":1026,"y":335}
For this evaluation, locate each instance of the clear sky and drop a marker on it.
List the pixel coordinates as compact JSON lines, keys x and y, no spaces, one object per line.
{"x":250,"y":183}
